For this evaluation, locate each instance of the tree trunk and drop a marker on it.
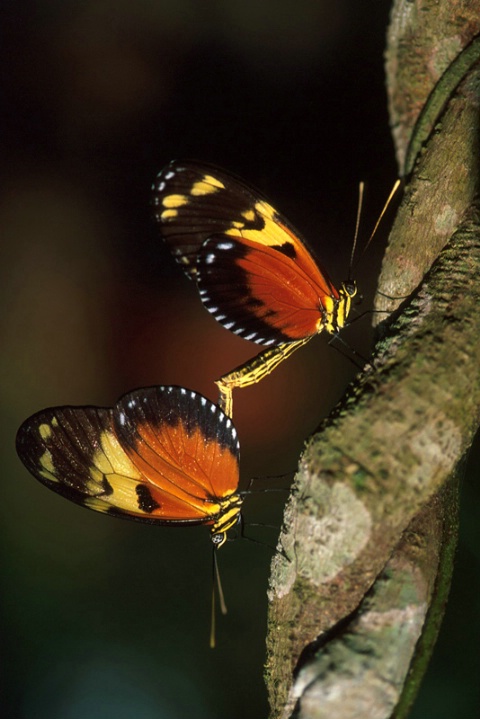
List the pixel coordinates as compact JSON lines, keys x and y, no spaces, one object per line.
{"x":370,"y":529}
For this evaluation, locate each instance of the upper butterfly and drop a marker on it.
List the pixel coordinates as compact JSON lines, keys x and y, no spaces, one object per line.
{"x":164,"y":455}
{"x":253,"y":270}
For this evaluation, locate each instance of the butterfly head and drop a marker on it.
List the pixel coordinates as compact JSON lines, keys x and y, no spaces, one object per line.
{"x":219,"y":539}
{"x":337,"y":309}
{"x":228,"y":517}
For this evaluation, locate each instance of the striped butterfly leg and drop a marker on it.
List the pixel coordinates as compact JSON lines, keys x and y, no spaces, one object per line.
{"x":253,"y":371}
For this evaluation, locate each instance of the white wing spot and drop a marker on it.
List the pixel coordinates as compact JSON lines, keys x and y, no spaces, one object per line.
{"x":183,"y":390}
{"x":220,"y":317}
{"x":225,"y":246}
{"x":161,"y":186}
{"x":203,"y":401}
{"x":212,"y":309}
{"x":121,"y":418}
{"x":213,"y":408}
{"x":210,"y":259}
{"x":251,"y":336}
{"x":229,"y":325}
{"x":168,"y":175}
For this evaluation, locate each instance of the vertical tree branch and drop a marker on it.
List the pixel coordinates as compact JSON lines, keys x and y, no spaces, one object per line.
{"x":367,"y":518}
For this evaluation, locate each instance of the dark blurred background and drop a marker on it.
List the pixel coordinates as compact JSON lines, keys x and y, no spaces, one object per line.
{"x":103,"y":618}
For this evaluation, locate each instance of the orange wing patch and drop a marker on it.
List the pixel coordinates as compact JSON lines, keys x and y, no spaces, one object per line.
{"x":254,"y":272}
{"x":162,"y":454}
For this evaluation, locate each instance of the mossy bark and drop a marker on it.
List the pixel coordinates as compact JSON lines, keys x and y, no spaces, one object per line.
{"x":373,"y":511}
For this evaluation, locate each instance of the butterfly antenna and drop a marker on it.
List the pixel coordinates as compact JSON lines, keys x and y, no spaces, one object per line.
{"x":221,"y":599}
{"x":361,"y":189}
{"x":352,"y":353}
{"x":385,"y":207}
{"x":212,"y":619}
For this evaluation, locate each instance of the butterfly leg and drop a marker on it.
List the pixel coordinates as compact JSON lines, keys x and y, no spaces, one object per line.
{"x":253,"y":371}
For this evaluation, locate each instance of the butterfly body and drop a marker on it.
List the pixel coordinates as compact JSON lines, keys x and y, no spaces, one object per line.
{"x":253,"y":270}
{"x":163,"y":455}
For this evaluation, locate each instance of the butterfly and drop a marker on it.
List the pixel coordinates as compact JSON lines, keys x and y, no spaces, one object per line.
{"x":164,"y":455}
{"x":253,"y":270}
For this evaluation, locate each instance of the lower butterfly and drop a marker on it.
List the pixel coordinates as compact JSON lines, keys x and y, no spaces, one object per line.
{"x":164,"y":455}
{"x":253,"y":271}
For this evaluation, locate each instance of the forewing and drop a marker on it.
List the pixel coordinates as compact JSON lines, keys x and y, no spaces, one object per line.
{"x":76,"y":452}
{"x":181,"y":442}
{"x":193,"y":201}
{"x":257,"y":292}
{"x":254,"y":272}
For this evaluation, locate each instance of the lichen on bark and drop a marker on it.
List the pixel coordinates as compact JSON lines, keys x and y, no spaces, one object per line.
{"x":369,"y":502}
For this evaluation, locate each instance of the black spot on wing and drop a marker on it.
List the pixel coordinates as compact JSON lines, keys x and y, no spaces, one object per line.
{"x":146,"y":502}
{"x":107,"y":488}
{"x":287,"y":249}
{"x":257,"y":222}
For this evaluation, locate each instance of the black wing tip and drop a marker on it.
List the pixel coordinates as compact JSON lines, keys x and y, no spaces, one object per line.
{"x":183,"y":165}
{"x":25,"y":440}
{"x":185,"y":405}
{"x":201,"y":167}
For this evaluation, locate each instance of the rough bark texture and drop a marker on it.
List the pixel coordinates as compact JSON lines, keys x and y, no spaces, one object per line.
{"x":423,"y":38}
{"x":366,"y":515}
{"x":363,"y":668}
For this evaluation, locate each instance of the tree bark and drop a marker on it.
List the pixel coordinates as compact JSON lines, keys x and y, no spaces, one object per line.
{"x":369,"y":532}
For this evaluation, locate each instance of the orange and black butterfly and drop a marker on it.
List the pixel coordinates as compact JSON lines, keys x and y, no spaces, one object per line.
{"x":163,"y":455}
{"x":254,"y":272}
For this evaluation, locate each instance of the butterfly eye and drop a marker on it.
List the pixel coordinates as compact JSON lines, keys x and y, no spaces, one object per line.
{"x":350,"y":288}
{"x":219,"y":539}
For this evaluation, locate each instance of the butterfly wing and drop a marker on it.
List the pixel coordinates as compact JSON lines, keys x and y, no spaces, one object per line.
{"x":254,"y":272}
{"x":181,"y":442}
{"x":256,"y":292}
{"x":128,"y":460}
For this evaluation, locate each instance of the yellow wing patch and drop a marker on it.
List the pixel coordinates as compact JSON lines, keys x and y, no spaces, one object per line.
{"x":110,"y":458}
{"x":47,"y":468}
{"x":111,"y":462}
{"x":206,"y":186}
{"x":174,"y":200}
{"x":249,"y":215}
{"x":45,"y":431}
{"x":269,"y":233}
{"x":124,"y":494}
